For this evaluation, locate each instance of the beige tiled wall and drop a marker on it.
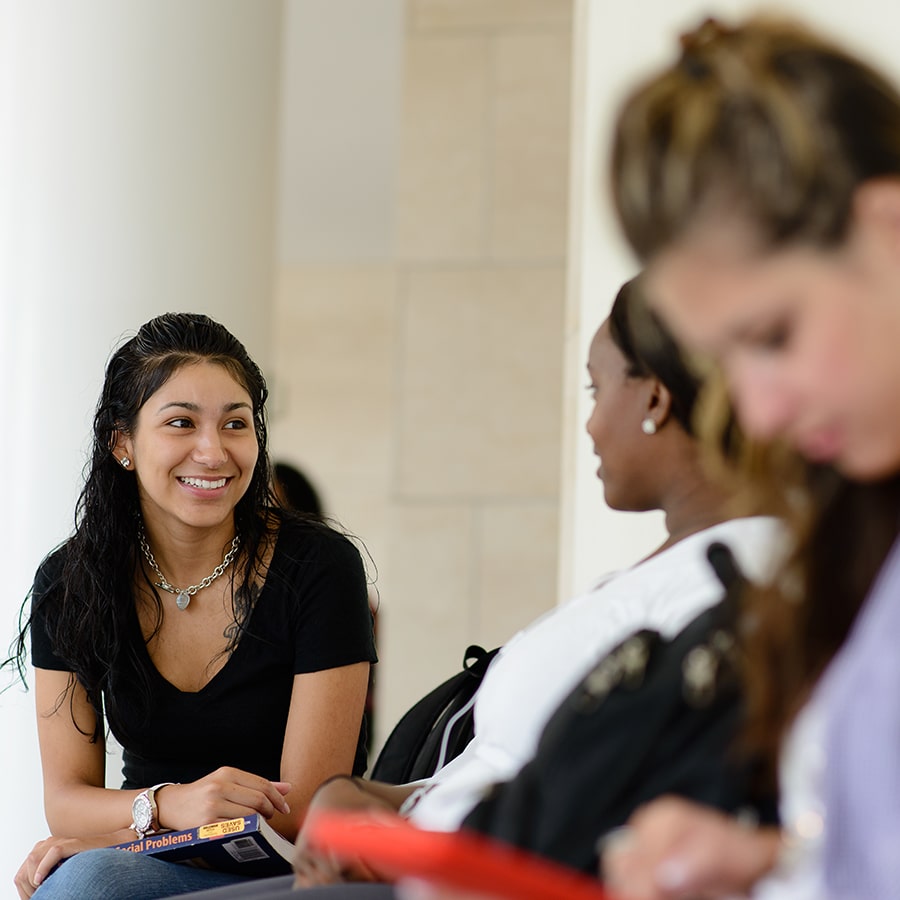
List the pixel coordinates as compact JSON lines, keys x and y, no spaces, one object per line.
{"x":443,"y":175}
{"x":479,"y":393}
{"x":424,"y":394}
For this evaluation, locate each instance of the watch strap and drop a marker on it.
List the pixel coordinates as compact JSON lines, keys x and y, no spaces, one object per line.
{"x":148,"y":796}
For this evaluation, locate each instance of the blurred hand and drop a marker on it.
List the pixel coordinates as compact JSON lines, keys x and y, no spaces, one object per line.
{"x":675,"y":849}
{"x":314,"y":867}
{"x":415,"y":889}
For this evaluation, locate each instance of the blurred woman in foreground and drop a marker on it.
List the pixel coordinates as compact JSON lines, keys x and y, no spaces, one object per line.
{"x":759,"y":179}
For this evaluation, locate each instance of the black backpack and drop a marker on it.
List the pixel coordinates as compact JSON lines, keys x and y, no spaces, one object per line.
{"x":435,"y":729}
{"x":655,"y":716}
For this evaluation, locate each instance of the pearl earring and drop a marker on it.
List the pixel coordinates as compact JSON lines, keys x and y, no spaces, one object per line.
{"x":648,"y":426}
{"x":126,"y":462}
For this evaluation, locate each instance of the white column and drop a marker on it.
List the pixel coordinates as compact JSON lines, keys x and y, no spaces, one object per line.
{"x":617,"y":45}
{"x":593,"y":538}
{"x":137,"y":176}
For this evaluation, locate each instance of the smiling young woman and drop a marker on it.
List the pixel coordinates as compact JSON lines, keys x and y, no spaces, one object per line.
{"x":222,"y":639}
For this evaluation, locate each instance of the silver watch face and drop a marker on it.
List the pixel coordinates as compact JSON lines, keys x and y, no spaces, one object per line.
{"x":142,"y":810}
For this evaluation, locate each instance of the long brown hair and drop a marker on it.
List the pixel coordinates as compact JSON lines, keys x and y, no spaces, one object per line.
{"x":840,"y":533}
{"x":778,"y":127}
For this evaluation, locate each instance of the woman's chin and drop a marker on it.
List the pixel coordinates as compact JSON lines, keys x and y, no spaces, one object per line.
{"x":867,"y":466}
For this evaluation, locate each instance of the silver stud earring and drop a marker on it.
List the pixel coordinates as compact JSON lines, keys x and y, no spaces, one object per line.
{"x":648,"y":426}
{"x":126,"y":462}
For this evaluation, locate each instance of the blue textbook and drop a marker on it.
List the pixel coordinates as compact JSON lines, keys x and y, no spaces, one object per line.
{"x":246,"y":846}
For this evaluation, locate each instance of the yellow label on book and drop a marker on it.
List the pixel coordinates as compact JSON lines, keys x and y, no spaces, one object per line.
{"x":217,"y":829}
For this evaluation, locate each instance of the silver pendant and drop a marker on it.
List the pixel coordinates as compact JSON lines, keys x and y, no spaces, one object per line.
{"x":183,"y":595}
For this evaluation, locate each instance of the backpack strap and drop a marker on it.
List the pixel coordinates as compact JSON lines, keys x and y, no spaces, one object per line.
{"x":413,"y":747}
{"x":455,"y":726}
{"x":733,"y":580}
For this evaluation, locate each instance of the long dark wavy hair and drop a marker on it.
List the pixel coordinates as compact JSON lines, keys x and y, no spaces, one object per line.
{"x":91,"y":616}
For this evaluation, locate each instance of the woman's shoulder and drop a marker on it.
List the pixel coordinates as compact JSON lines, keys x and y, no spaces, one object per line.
{"x":302,"y":539}
{"x":317,"y":570}
{"x":50,"y":570}
{"x":755,"y":541}
{"x":762,"y":526}
{"x":299,"y":529}
{"x":759,"y":544}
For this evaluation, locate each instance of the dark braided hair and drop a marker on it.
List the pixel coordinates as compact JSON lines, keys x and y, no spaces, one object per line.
{"x":651,"y":352}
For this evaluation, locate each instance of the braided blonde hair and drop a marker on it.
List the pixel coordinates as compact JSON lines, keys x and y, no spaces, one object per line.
{"x":766,"y":118}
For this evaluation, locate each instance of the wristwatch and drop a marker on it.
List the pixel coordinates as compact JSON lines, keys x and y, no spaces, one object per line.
{"x":143,"y":811}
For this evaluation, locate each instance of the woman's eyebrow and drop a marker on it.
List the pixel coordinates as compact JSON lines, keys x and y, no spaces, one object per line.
{"x":193,"y":407}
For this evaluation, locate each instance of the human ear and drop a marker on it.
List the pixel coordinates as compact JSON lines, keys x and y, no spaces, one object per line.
{"x":659,"y":403}
{"x":876,"y":212}
{"x":123,"y":449}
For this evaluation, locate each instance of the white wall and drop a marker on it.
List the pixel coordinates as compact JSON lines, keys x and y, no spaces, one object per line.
{"x":137,"y":167}
{"x":616,"y":44}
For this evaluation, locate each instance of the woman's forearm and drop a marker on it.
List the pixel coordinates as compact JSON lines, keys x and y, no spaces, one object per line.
{"x":84,"y":811}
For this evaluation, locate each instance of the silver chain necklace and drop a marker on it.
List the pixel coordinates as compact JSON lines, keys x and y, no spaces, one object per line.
{"x":183,"y":595}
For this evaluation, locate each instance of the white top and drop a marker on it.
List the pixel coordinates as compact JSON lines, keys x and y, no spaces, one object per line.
{"x":798,"y":875}
{"x":537,"y":669}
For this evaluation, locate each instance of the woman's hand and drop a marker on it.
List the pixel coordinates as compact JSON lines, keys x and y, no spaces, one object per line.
{"x":46,"y":855}
{"x":674,"y":849}
{"x":224,"y":794}
{"x":415,"y":889}
{"x":313,"y":867}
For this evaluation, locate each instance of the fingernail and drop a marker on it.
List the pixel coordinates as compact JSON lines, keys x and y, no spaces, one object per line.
{"x":672,"y":874}
{"x":617,"y":839}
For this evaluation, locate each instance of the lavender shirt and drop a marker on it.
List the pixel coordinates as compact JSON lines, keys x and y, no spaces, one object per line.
{"x":861,"y":694}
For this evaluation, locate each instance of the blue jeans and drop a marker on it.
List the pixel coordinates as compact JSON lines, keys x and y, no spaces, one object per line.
{"x":109,"y":874}
{"x":281,"y":888}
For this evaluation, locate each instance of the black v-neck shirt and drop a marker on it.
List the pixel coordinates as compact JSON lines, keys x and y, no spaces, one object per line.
{"x":311,"y":614}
